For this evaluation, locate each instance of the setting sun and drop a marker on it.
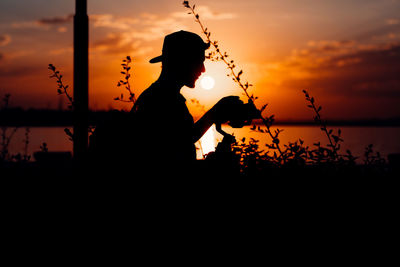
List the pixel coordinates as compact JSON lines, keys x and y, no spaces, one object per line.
{"x":207,"y":82}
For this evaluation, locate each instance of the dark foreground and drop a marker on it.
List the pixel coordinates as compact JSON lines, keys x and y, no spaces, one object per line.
{"x":316,"y":209}
{"x":60,"y":168}
{"x":57,"y":176}
{"x":70,"y":184}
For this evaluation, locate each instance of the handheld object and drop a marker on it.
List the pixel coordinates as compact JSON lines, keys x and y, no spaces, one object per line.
{"x":241,"y":115}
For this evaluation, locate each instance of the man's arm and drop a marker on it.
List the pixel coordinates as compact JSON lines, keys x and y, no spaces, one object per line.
{"x":220,"y":112}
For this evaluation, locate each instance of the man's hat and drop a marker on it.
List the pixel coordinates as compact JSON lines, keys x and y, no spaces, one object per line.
{"x":179,"y":45}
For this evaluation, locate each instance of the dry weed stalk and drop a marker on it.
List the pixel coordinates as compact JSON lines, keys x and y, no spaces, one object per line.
{"x":126,"y":68}
{"x":219,"y":55}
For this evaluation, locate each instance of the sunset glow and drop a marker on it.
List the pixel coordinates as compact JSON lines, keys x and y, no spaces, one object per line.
{"x":207,"y":82}
{"x":346,"y":53}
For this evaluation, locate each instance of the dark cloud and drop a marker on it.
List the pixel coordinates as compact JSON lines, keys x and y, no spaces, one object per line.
{"x":56,"y":20}
{"x":379,"y":31}
{"x":17,"y":72}
{"x":377,"y":74}
{"x":374,"y":73}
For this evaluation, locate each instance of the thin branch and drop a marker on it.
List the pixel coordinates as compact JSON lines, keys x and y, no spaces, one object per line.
{"x":236,"y":77}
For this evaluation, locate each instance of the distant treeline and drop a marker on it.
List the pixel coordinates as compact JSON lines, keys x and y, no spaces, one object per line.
{"x":46,"y":117}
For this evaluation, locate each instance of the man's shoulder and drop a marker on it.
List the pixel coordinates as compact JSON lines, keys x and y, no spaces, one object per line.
{"x":148,"y":95}
{"x":156,"y":94}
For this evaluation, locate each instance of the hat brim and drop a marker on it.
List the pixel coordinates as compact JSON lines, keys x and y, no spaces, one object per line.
{"x":156,"y":59}
{"x":160,"y":58}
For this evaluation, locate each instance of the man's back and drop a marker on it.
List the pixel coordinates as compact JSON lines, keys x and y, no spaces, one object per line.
{"x":164,"y":125}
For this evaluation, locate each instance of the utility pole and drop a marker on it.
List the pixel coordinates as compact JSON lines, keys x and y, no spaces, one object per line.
{"x":81,"y":80}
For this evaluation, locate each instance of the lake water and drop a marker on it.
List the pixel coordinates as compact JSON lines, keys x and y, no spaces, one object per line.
{"x":386,"y":140}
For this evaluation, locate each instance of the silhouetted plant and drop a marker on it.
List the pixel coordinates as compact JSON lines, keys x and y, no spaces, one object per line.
{"x":296,"y":153}
{"x":62,"y":89}
{"x":371,"y":159}
{"x":126,"y":72}
{"x":252,"y":159}
{"x":6,"y":136}
{"x":219,"y":55}
{"x":334,"y":140}
{"x":25,"y":156}
{"x":44,"y":147}
{"x":330,"y":153}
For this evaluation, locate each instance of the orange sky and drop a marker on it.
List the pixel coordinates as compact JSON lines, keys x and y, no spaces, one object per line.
{"x":345,"y":53}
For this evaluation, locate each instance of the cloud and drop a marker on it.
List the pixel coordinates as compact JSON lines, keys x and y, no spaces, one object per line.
{"x":110,"y":21}
{"x":28,"y":25}
{"x":150,"y":20}
{"x":132,"y":35}
{"x":114,"y":43}
{"x":120,"y":43}
{"x":5,"y":39}
{"x":62,"y":29}
{"x":342,"y":68}
{"x":19,"y":71}
{"x":56,"y":20}
{"x":392,"y":21}
{"x":206,"y":13}
{"x":149,"y":27}
{"x":391,"y":26}
{"x":61,"y":51}
{"x":44,"y":23}
{"x":378,"y":88}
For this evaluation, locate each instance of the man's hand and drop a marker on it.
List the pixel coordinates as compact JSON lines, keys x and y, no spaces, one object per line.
{"x":224,"y":110}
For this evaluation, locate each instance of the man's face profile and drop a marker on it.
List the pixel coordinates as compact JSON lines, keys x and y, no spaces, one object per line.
{"x":193,"y":68}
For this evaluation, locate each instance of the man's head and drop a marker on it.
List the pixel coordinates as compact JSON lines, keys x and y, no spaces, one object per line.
{"x":183,"y":56}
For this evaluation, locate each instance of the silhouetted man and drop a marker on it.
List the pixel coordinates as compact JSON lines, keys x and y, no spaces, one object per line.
{"x":164,"y":128}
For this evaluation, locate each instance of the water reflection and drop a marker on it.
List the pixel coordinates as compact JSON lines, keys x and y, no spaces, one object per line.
{"x":207,"y":143}
{"x":385,"y":139}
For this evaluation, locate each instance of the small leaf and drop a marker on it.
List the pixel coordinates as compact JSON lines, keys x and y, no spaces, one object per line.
{"x":263,"y":107}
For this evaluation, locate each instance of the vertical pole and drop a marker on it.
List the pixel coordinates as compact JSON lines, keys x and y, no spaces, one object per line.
{"x":81,"y":81}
